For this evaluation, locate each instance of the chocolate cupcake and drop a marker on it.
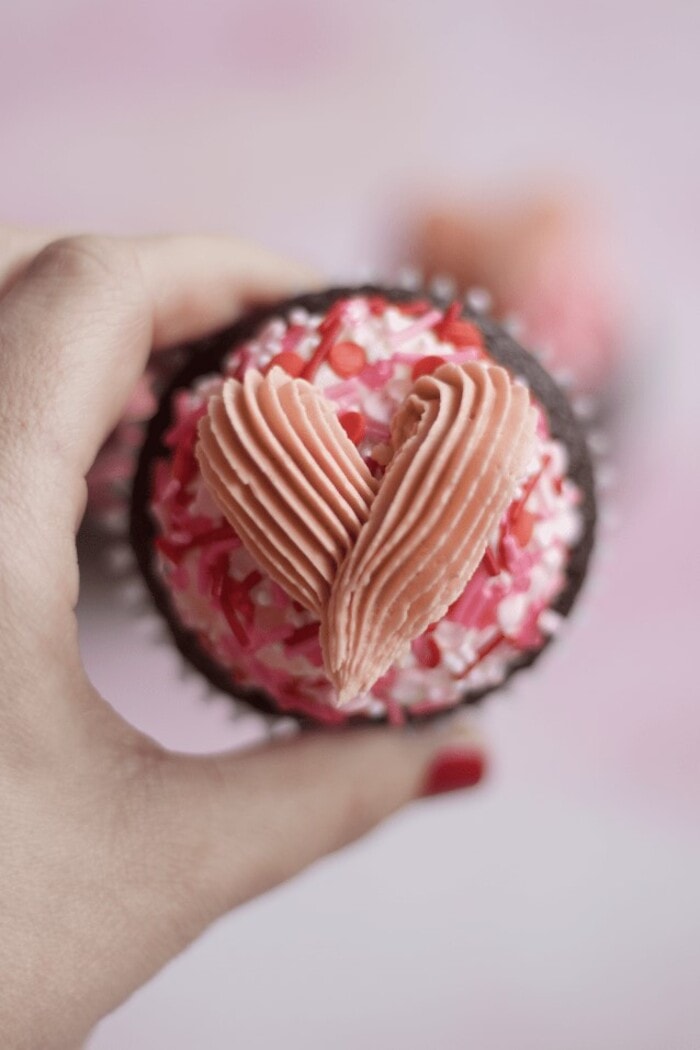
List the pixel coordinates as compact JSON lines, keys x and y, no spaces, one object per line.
{"x":365,"y":503}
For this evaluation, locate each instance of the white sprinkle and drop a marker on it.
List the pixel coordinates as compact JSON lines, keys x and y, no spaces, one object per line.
{"x":479,"y":300}
{"x":584,"y":406}
{"x":453,"y":662}
{"x":550,"y":621}
{"x":119,"y":558}
{"x":598,"y":443}
{"x":443,"y":286}
{"x":514,"y":326}
{"x":298,"y":315}
{"x":606,"y":477}
{"x":565,"y":378}
{"x":114,"y":521}
{"x":409,"y":278}
{"x":511,"y":613}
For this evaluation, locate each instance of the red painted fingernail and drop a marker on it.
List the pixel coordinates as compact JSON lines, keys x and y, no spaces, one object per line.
{"x":454,"y":768}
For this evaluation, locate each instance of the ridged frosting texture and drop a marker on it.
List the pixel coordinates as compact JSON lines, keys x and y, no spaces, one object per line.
{"x":377,"y":562}
{"x":285,"y":475}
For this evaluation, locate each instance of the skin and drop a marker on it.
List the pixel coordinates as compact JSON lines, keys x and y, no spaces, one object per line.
{"x":115,"y":853}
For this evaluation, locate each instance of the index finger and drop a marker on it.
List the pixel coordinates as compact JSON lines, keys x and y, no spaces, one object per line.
{"x":77,"y":326}
{"x":18,"y":246}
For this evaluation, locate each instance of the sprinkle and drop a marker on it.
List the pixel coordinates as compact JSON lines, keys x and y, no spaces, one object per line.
{"x":292,"y":337}
{"x":452,"y":313}
{"x":335,"y":316}
{"x":455,"y":329}
{"x":236,"y":626}
{"x":426,"y":651}
{"x":517,"y":508}
{"x":235,"y":599}
{"x":175,"y":551}
{"x":490,"y":564}
{"x":511,"y":613}
{"x":347,"y":359}
{"x":460,"y":333}
{"x":303,"y":634}
{"x":328,"y":337}
{"x":184,"y":465}
{"x":521,"y":529}
{"x":292,"y":363}
{"x":377,"y":305}
{"x":426,"y":366}
{"x":485,"y":651}
{"x":425,"y":323}
{"x":550,"y":621}
{"x":354,"y":424}
{"x":415,"y":309}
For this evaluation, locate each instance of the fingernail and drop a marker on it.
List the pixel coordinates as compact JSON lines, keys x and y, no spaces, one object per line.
{"x":453,"y":769}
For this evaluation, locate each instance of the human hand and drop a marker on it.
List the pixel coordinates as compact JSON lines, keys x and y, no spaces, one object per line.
{"x":114,"y":853}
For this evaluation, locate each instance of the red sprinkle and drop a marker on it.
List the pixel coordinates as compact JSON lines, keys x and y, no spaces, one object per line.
{"x":347,"y":359}
{"x":521,"y":528}
{"x":218,"y":575}
{"x":461,"y":333}
{"x":377,"y":305}
{"x":415,"y":308}
{"x":235,"y":599}
{"x":354,"y":424}
{"x":184,"y":465}
{"x":333,"y":317}
{"x":235,"y":624}
{"x":455,"y":329}
{"x":452,"y":313}
{"x":176,"y":551}
{"x":426,"y":651}
{"x":485,"y":651}
{"x":292,"y":363}
{"x":426,"y":366}
{"x":490,"y":563}
{"x":328,"y":337}
{"x":303,"y":634}
{"x":519,"y":507}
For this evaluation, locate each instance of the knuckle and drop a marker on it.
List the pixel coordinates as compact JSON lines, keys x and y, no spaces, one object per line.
{"x":90,"y":259}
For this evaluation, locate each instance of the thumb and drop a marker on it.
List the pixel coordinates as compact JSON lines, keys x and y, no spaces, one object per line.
{"x":257,"y":818}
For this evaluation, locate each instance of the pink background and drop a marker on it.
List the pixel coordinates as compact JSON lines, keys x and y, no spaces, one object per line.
{"x":558,"y":907}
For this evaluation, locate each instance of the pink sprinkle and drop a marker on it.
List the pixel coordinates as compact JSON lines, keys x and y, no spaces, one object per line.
{"x":377,"y":432}
{"x":423,"y":325}
{"x":395,"y":713}
{"x":292,"y":337}
{"x":468,"y":607}
{"x":530,"y":636}
{"x":426,"y":651}
{"x":377,"y":375}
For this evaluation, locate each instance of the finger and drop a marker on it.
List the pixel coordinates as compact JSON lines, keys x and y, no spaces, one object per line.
{"x":18,"y":246}
{"x":77,"y":326}
{"x":256,"y":819}
{"x":199,"y":284}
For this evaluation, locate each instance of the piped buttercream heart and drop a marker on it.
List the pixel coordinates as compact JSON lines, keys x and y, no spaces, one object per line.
{"x":376,"y":562}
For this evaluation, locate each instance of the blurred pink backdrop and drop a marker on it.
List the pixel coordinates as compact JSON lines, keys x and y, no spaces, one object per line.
{"x":559,"y":908}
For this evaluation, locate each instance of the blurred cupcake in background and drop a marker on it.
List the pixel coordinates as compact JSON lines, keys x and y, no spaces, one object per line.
{"x":545,"y":261}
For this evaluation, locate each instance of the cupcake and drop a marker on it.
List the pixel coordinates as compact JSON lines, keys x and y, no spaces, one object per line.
{"x":544,"y":259}
{"x":363,"y":504}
